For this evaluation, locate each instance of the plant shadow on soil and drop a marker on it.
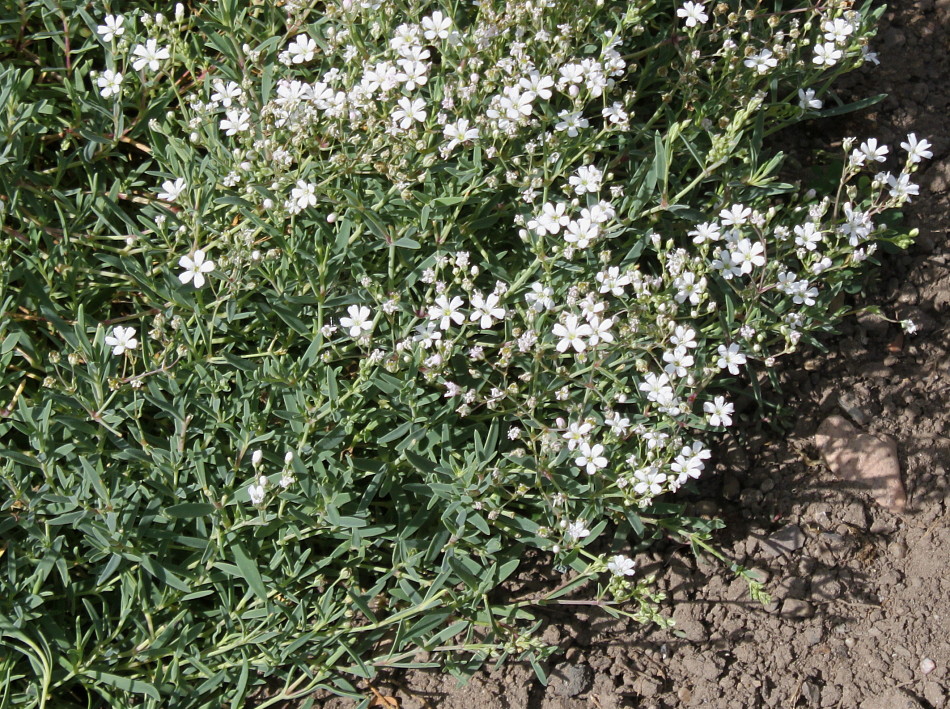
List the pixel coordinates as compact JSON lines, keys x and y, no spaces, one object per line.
{"x":859,"y":614}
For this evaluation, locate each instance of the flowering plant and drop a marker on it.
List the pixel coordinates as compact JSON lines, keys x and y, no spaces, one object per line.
{"x":486,"y":280}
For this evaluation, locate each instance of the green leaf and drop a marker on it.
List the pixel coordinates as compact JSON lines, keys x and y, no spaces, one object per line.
{"x":125,"y":684}
{"x":249,"y":571}
{"x":188,"y":510}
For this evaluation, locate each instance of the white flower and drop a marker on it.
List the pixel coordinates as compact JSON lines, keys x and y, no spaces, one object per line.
{"x":256,"y":458}
{"x":256,"y":492}
{"x":446,"y":311}
{"x":577,"y":433}
{"x":304,"y":195}
{"x":736,"y":215}
{"x":621,"y":565}
{"x":917,"y":149}
{"x":586,"y":179}
{"x":807,"y":100}
{"x":615,"y":113}
{"x":150,"y":55}
{"x":719,"y":411}
{"x":122,"y":340}
{"x":111,"y":28}
{"x":591,"y":458}
{"x":302,"y":49}
{"x":436,"y":26}
{"x":707,"y":231}
{"x":360,"y":320}
{"x":601,"y":330}
{"x":577,"y":530}
{"x":110,"y":83}
{"x":826,"y":54}
{"x":572,"y":334}
{"x":872,"y":151}
{"x":902,"y":187}
{"x":195,"y":267}
{"x":486,"y":310}
{"x":685,"y":336}
{"x":409,"y":111}
{"x":539,"y":297}
{"x":692,"y":14}
{"x":171,"y":190}
{"x":730,"y":358}
{"x":236,"y":122}
{"x":572,"y":122}
{"x":225,"y":94}
{"x":762,"y":62}
{"x":678,"y":361}
{"x":748,"y":254}
{"x":459,"y":132}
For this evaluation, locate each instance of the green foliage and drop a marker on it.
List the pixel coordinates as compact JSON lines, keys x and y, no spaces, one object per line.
{"x":268,"y":491}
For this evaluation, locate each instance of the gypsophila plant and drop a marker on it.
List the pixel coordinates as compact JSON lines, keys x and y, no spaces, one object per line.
{"x":322,"y":319}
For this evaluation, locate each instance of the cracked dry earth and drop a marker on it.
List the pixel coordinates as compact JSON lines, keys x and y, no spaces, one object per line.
{"x":860,"y":615}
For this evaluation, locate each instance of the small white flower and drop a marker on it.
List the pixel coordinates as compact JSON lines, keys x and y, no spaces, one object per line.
{"x":111,"y":27}
{"x":692,"y":14}
{"x":236,"y":122}
{"x":572,"y":334}
{"x":719,"y":411}
{"x":122,"y":340}
{"x":591,"y":457}
{"x":302,"y":49}
{"x":360,"y":320}
{"x":872,"y":151}
{"x":807,"y":100}
{"x":304,"y":195}
{"x":577,"y":530}
{"x":826,"y":54}
{"x":485,"y":310}
{"x":149,"y":55}
{"x":621,"y":565}
{"x":110,"y":83}
{"x":436,"y":26}
{"x":257,"y":491}
{"x":172,"y":189}
{"x":762,"y":61}
{"x":446,"y":311}
{"x":409,"y":111}
{"x":917,"y":150}
{"x":256,"y":458}
{"x":730,"y":358}
{"x":195,"y":267}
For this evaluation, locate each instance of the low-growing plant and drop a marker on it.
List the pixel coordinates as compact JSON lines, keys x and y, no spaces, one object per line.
{"x":320,"y":319}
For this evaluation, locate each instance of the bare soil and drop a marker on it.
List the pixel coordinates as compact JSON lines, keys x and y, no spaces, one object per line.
{"x":860,"y":615}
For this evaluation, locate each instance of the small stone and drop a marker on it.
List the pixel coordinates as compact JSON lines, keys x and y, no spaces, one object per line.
{"x":730,"y":487}
{"x":796,"y":609}
{"x":783,"y":542}
{"x":894,"y":699}
{"x":865,"y":460}
{"x":571,"y":680}
{"x":933,"y":693}
{"x":873,"y":323}
{"x":854,"y":516}
{"x":707,"y":508}
{"x":927,"y":665}
{"x":852,"y":407}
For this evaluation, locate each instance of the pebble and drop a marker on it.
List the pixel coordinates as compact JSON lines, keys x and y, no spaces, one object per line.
{"x":863,"y":459}
{"x":927,"y":665}
{"x":783,"y":542}
{"x":571,"y":680}
{"x":796,"y":609}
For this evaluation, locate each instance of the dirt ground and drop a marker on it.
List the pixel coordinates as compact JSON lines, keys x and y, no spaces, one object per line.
{"x":860,"y":615}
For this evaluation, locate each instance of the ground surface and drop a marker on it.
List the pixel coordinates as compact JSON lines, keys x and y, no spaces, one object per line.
{"x":861,"y":609}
